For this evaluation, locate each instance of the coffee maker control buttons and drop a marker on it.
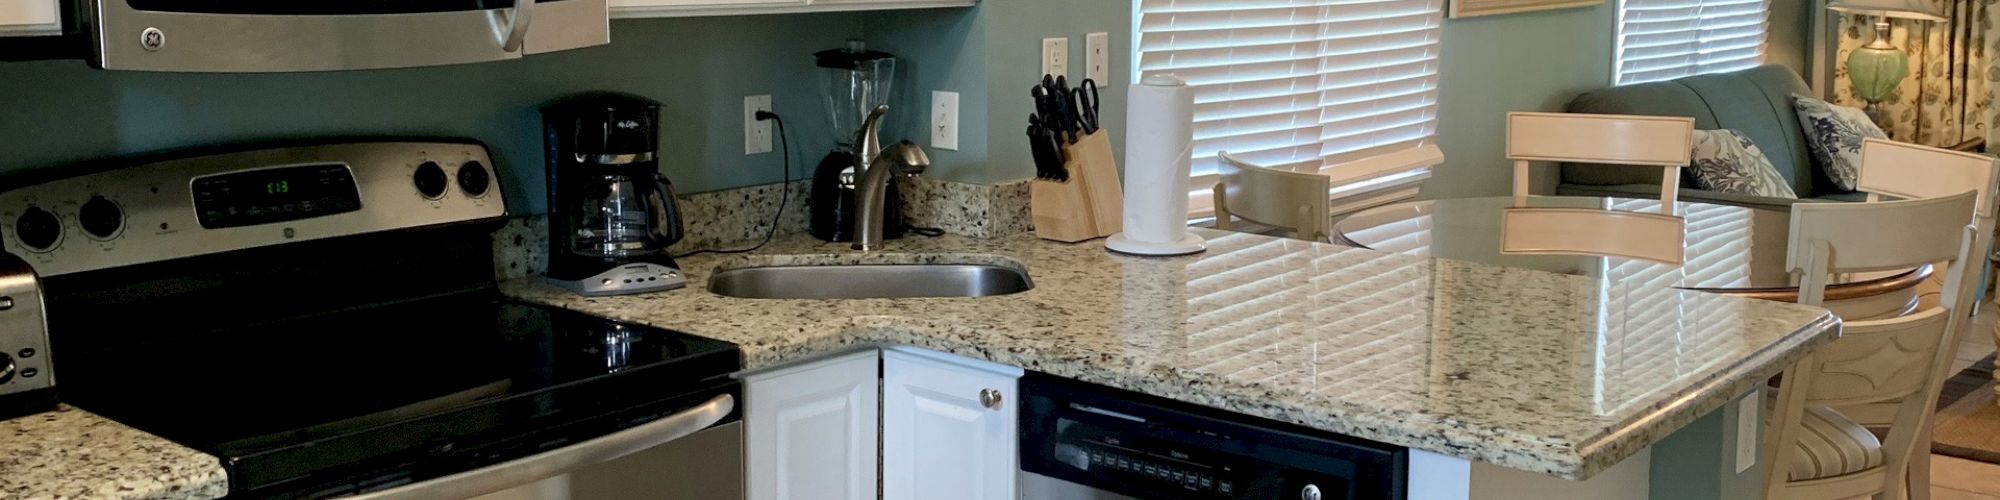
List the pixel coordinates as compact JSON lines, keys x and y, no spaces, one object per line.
{"x":100,"y":217}
{"x":38,"y":229}
{"x":430,"y":180}
{"x":473,"y":179}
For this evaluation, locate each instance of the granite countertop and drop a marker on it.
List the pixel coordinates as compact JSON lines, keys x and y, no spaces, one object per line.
{"x":1557,"y":374}
{"x":72,"y":454}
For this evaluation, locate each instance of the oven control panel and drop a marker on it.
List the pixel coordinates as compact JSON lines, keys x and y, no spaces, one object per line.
{"x":211,"y":204}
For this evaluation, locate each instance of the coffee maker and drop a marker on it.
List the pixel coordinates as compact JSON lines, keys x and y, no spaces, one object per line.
{"x":612,"y":215}
{"x":854,"y":81}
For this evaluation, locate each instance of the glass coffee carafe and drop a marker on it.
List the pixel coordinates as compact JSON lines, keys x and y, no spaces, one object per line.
{"x":622,"y":214}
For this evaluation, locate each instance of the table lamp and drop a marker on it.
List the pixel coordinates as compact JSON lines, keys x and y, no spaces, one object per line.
{"x":1876,"y":68}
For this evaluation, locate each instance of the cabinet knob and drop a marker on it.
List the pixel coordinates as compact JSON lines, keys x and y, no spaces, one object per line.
{"x":990,"y":398}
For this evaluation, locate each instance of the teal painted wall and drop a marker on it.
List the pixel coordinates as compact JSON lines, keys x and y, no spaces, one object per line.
{"x":991,"y":55}
{"x":57,"y":112}
{"x":1698,"y":462}
{"x":1519,"y":62}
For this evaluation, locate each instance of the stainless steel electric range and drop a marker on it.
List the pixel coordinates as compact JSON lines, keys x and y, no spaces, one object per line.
{"x":324,"y":320}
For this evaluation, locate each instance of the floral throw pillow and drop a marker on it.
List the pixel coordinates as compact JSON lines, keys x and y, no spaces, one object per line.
{"x":1834,"y":133}
{"x":1726,"y":161}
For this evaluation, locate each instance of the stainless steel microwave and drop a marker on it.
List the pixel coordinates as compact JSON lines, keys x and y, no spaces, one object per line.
{"x":329,"y":35}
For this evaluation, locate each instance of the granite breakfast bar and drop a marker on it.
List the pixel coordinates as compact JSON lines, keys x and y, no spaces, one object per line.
{"x":1498,"y":379}
{"x":1471,"y":366}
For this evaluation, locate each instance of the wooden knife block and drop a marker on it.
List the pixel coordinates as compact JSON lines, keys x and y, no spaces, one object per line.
{"x":1090,"y":204}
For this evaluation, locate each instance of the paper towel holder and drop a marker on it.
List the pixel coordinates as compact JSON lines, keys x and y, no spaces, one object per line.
{"x":1153,"y":182}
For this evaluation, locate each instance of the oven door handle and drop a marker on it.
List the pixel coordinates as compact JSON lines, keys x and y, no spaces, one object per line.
{"x":514,"y":33}
{"x":528,"y":470}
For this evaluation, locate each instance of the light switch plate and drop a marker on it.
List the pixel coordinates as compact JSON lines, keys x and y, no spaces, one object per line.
{"x":1746,"y":430}
{"x":1055,"y":56}
{"x":756,"y":134}
{"x":1097,"y":58}
{"x":944,"y":120}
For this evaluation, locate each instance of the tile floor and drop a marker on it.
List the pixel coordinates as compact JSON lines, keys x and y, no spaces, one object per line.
{"x":1959,"y":479}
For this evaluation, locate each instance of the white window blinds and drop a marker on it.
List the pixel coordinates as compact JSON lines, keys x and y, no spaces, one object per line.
{"x":1668,"y":39}
{"x":1347,"y":85}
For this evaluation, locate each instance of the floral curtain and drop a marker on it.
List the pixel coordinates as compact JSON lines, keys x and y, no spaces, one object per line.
{"x":1944,"y":101}
{"x":1991,"y":75}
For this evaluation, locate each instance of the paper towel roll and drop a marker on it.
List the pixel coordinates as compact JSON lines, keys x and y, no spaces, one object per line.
{"x":1159,"y":149}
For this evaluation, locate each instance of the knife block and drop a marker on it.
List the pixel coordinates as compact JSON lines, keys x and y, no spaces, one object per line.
{"x":1062,"y":209}
{"x":1092,"y":156}
{"x":1090,"y":204}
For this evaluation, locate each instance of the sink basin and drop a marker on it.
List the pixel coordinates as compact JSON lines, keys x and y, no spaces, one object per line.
{"x":869,"y":281}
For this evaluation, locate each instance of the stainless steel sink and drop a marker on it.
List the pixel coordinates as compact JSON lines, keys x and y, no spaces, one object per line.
{"x":869,"y":281}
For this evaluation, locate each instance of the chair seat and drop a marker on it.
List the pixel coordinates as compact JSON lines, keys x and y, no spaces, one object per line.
{"x":1831,"y":444}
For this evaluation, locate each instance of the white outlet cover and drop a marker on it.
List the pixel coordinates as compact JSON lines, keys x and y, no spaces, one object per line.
{"x":1746,"y":430}
{"x":944,"y":120}
{"x":1097,"y":58}
{"x":1055,"y":56}
{"x":756,"y":134}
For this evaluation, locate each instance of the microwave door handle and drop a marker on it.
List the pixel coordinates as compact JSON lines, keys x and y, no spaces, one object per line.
{"x":514,"y":32}
{"x":532,"y":469}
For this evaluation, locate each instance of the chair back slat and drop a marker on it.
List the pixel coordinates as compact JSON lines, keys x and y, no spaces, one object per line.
{"x":1880,"y":236}
{"x":1649,"y":141}
{"x":1275,"y":196}
{"x":1605,"y":139}
{"x":1908,"y":171}
{"x":1880,"y":360}
{"x":1583,"y":231}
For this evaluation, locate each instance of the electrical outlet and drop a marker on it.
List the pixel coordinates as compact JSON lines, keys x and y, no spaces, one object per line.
{"x":1055,"y":56}
{"x":1097,"y":58}
{"x":756,"y":133}
{"x":944,"y":120}
{"x":1746,"y":430}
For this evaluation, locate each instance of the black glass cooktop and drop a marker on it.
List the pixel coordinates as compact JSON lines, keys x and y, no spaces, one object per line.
{"x":392,"y":387}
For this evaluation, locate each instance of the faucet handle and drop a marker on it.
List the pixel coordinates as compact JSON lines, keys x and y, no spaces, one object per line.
{"x":913,"y":159}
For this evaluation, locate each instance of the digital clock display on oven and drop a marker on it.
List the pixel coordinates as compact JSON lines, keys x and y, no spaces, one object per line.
{"x":271,"y":195}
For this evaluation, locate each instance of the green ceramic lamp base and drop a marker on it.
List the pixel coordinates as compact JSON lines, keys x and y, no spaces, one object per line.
{"x":1877,"y":68}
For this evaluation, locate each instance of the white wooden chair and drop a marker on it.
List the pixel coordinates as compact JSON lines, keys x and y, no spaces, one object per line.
{"x":1279,"y":196}
{"x":1816,"y":452}
{"x":1619,"y":142}
{"x":1893,"y":170}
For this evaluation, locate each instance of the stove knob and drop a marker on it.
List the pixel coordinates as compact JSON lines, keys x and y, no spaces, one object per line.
{"x":473,"y":179}
{"x":431,"y":180}
{"x":101,"y":218}
{"x":1311,"y":492}
{"x":39,"y":229}
{"x":6,"y":368}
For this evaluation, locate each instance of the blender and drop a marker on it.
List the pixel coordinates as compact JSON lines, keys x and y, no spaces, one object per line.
{"x":854,"y":80}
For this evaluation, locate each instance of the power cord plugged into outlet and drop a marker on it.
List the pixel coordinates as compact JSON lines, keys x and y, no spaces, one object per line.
{"x":785,"y":188}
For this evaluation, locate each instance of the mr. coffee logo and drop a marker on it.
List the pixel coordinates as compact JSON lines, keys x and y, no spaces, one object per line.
{"x":628,"y":124}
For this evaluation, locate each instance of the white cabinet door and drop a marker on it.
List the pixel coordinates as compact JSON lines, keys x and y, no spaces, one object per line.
{"x":948,"y":427}
{"x":30,"y":17}
{"x":812,"y":430}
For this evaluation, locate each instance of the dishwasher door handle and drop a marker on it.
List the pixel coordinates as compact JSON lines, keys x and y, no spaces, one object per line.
{"x":528,"y":470}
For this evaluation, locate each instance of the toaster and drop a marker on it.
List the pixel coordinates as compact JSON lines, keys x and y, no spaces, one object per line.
{"x":27,"y":380}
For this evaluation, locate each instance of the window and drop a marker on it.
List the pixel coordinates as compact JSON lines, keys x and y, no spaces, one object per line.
{"x":1668,"y":39}
{"x":1348,"y":85}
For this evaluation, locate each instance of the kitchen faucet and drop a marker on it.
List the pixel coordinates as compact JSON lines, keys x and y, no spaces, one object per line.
{"x":878,"y":166}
